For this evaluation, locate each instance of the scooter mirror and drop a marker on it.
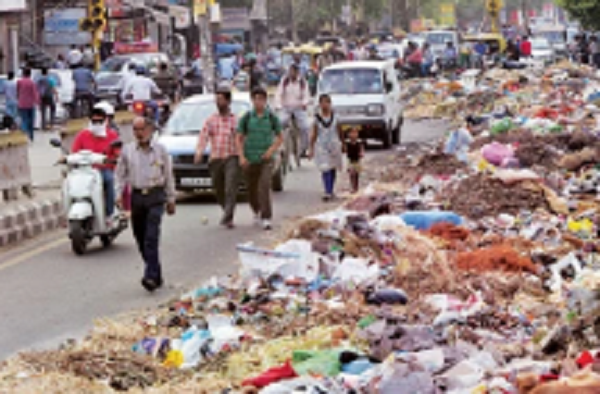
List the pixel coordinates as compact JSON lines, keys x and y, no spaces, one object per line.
{"x":56,"y":142}
{"x":117,"y":144}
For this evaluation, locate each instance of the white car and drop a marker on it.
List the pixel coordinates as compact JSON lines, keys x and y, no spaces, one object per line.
{"x":366,"y":94}
{"x":439,"y":39}
{"x":180,"y":137}
{"x":542,"y":52}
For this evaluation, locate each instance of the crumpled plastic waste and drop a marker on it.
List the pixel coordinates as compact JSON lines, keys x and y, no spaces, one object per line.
{"x":424,"y":220}
{"x":272,"y":375}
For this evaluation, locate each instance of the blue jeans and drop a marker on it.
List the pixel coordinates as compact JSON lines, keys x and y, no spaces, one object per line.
{"x":27,"y":121}
{"x":12,"y":110}
{"x":329,"y":181}
{"x":108,"y":183}
{"x":146,"y":215}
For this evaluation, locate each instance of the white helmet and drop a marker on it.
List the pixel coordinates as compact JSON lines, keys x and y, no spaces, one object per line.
{"x":106,"y":107}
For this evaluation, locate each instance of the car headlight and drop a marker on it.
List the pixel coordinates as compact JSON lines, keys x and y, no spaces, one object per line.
{"x":375,"y":109}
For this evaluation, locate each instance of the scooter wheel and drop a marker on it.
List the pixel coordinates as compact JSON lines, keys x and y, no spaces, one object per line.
{"x":78,"y":238}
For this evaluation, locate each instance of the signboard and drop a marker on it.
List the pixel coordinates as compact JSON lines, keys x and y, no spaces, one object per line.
{"x":115,"y":8}
{"x":447,"y":14}
{"x":61,"y":27}
{"x":181,"y":15}
{"x":161,"y":18}
{"x":200,"y":7}
{"x":12,"y":5}
{"x":135,"y":47}
{"x":416,"y":25}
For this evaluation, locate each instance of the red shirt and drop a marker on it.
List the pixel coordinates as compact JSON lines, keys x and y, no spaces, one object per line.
{"x":85,"y":140}
{"x":526,"y":48}
{"x":27,"y":93}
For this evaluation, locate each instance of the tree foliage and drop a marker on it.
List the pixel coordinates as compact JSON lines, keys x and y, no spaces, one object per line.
{"x":587,"y":12}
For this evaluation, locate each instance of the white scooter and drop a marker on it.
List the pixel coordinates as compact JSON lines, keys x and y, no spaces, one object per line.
{"x":83,"y":199}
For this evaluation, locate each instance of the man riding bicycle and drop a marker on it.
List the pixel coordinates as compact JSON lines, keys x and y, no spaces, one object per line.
{"x":292,"y":99}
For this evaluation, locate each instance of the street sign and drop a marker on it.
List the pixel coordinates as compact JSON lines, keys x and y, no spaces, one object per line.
{"x":181,"y":15}
{"x":447,"y":15}
{"x":200,"y":7}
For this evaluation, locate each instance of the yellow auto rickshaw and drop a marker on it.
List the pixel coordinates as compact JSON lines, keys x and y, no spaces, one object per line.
{"x":308,"y":54}
{"x":495,"y":42}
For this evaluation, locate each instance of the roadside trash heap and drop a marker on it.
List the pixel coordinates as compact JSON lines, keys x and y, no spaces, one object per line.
{"x":475,"y":275}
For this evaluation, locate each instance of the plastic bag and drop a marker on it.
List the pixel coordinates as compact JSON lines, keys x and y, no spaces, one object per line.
{"x":424,"y":220}
{"x":502,"y":126}
{"x":356,"y":271}
{"x":497,"y":154}
{"x":321,"y":363}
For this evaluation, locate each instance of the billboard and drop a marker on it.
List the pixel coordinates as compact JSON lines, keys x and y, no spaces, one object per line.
{"x":61,"y":27}
{"x":447,"y":14}
{"x":12,"y":5}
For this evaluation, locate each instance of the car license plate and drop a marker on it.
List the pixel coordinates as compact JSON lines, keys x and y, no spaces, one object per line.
{"x":347,"y":127}
{"x":198,"y":182}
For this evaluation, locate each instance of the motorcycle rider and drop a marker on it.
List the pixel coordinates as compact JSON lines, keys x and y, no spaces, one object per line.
{"x":98,"y":137}
{"x":166,"y":81}
{"x":292,"y":98}
{"x":141,"y":88}
{"x":110,"y":114}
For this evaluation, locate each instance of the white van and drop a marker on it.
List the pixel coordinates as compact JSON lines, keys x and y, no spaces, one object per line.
{"x":366,"y":94}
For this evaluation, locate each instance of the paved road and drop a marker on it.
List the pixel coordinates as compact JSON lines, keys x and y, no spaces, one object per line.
{"x":48,"y":294}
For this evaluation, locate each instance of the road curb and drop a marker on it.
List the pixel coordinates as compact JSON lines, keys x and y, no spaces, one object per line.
{"x":30,"y":219}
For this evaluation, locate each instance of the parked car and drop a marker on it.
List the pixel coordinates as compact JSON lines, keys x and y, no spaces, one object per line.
{"x":366,"y":94}
{"x":109,"y":77}
{"x":180,"y":137}
{"x":439,"y":39}
{"x":542,"y":52}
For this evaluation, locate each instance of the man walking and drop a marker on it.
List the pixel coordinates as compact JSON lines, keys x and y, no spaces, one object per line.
{"x":146,"y":166}
{"x":28,"y":98}
{"x":220,"y":131}
{"x":48,"y":96}
{"x":259,"y":138}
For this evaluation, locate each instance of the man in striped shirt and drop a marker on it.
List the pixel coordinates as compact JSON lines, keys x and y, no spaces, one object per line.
{"x":220,"y":130}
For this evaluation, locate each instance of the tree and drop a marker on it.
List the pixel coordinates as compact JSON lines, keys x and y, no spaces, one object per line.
{"x":587,"y":12}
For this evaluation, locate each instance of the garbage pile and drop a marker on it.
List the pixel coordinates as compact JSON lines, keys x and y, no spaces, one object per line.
{"x":470,"y":267}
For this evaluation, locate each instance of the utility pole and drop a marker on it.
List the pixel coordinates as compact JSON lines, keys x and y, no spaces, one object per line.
{"x":206,"y":47}
{"x":293,"y":20}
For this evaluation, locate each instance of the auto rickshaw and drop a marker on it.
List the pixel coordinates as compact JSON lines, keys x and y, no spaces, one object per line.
{"x":309,"y":55}
{"x":496,"y":43}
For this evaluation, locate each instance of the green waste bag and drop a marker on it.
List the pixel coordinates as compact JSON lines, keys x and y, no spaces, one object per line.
{"x":502,"y":126}
{"x":317,"y":362}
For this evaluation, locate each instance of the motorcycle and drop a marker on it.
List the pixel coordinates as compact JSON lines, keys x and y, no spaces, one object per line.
{"x":83,"y":199}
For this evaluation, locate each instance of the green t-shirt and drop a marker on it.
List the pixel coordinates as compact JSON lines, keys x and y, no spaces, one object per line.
{"x":260,"y":131}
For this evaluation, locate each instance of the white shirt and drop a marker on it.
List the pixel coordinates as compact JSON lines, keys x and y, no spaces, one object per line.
{"x":141,"y":88}
{"x":74,"y":57}
{"x":292,"y":96}
{"x":125,"y":82}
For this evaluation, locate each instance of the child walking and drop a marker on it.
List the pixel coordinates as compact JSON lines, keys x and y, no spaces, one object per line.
{"x":326,"y":145}
{"x":355,"y":151}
